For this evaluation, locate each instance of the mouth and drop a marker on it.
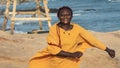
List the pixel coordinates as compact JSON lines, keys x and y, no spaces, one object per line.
{"x":66,"y":21}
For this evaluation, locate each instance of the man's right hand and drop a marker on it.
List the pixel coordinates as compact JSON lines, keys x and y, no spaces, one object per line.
{"x":68,"y":54}
{"x":76,"y":54}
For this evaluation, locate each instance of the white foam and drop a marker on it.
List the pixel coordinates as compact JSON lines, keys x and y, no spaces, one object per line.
{"x":53,"y":14}
{"x":76,"y":14}
{"x":20,"y":32}
{"x":78,"y":11}
{"x":114,"y":0}
{"x":51,"y":0}
{"x":19,"y":22}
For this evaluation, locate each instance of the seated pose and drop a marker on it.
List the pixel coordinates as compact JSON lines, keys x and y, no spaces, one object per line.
{"x":67,"y":42}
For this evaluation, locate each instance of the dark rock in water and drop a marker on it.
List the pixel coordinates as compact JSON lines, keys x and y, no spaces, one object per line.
{"x":1,"y":12}
{"x":90,"y":10}
{"x":37,"y":32}
{"x":53,"y":10}
{"x":0,"y":26}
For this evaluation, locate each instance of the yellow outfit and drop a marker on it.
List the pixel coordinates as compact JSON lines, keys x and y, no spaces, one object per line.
{"x":76,"y":39}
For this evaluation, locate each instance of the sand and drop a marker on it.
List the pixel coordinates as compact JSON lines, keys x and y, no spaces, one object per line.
{"x":16,"y":50}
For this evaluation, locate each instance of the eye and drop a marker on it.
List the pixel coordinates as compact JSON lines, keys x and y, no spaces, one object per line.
{"x":62,"y":15}
{"x":65,"y":15}
{"x":68,"y":14}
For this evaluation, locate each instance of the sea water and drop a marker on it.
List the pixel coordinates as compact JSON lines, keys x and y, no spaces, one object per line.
{"x":95,"y":15}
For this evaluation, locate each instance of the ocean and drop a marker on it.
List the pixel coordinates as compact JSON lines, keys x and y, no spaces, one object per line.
{"x":95,"y":15}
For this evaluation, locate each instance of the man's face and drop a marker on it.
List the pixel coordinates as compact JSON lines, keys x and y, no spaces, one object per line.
{"x":65,"y":16}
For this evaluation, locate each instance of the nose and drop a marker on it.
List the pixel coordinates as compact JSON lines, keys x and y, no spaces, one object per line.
{"x":65,"y":16}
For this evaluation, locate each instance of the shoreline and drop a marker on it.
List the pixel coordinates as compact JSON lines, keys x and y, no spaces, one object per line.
{"x":30,"y":32}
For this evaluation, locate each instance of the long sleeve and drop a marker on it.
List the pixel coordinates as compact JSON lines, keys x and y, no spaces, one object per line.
{"x":53,"y":41}
{"x":82,"y":48}
{"x":90,"y":39}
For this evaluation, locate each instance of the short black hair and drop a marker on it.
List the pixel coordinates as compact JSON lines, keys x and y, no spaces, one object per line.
{"x":64,"y":7}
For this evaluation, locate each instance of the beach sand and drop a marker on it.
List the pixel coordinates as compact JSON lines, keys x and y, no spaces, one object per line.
{"x":16,"y":50}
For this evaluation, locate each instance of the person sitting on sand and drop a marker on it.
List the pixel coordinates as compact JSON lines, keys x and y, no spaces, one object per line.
{"x":67,"y":42}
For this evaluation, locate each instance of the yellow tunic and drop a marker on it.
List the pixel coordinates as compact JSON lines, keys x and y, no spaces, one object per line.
{"x":76,"y":39}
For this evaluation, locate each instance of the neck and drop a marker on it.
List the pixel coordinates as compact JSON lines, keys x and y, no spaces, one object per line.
{"x":65,"y":26}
